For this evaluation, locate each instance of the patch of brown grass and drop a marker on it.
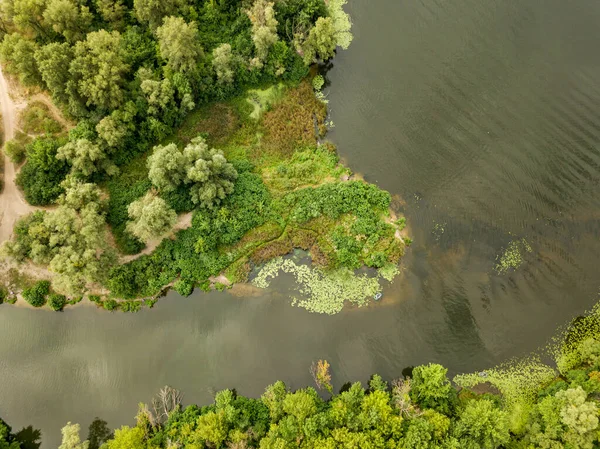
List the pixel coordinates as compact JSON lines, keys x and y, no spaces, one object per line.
{"x":270,"y":250}
{"x":291,"y":122}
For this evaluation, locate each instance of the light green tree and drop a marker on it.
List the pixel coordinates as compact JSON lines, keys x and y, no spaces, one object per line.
{"x":431,"y":388}
{"x":71,"y":438}
{"x":223,"y":63}
{"x":213,"y":428}
{"x":482,"y":425}
{"x":264,"y":28}
{"x":321,"y":41}
{"x":53,"y":64}
{"x":113,"y":11}
{"x":71,"y":239}
{"x":166,"y":167}
{"x":273,"y":398}
{"x":341,"y":22}
{"x":86,"y":158}
{"x":117,"y":127}
{"x":579,"y":416}
{"x":179,"y":44}
{"x":150,"y":217}
{"x":127,"y":438}
{"x":210,"y":175}
{"x":28,"y":15}
{"x":68,"y":18}
{"x":17,"y":53}
{"x":100,"y":69}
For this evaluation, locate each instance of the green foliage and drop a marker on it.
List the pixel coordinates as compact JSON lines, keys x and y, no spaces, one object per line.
{"x":36,"y":118}
{"x":57,"y":302}
{"x":110,"y":304}
{"x":151,"y":217}
{"x":70,"y":239}
{"x":36,"y":295}
{"x":431,"y":388}
{"x":178,"y":44}
{"x":184,"y":288}
{"x":16,"y":148}
{"x":41,"y":176}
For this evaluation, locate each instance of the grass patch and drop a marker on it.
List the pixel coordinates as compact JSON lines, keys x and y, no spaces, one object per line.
{"x":262,"y":100}
{"x":37,"y":119}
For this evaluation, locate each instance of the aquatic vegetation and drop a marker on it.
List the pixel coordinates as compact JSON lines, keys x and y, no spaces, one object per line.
{"x":389,"y":271}
{"x":322,"y":291}
{"x":518,"y":381}
{"x":512,"y":257}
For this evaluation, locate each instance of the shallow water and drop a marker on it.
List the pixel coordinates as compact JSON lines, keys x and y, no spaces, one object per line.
{"x":484,"y":118}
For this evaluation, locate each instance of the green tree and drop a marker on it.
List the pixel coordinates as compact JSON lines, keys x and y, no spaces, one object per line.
{"x":150,"y":217}
{"x":179,"y":44}
{"x":112,"y":11}
{"x":210,"y":175}
{"x":18,"y":53}
{"x":273,"y":398}
{"x":264,"y":28}
{"x":68,"y":18}
{"x":152,"y":12}
{"x":321,"y":42}
{"x":53,"y":62}
{"x":116,"y":129}
{"x":100,"y":69}
{"x":71,"y":438}
{"x":28,"y":15}
{"x":431,"y":388}
{"x":482,"y":425}
{"x":86,"y":158}
{"x":166,"y":167}
{"x":223,"y":63}
{"x":7,"y":439}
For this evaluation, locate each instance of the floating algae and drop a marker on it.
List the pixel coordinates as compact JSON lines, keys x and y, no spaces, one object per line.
{"x":512,"y":257}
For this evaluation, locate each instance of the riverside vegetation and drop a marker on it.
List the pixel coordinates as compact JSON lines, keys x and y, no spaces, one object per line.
{"x":520,"y":406}
{"x":207,"y":107}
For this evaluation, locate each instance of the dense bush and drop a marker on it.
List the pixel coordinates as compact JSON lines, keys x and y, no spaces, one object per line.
{"x":36,"y":295}
{"x":57,"y":302}
{"x":42,"y":174}
{"x":110,"y":304}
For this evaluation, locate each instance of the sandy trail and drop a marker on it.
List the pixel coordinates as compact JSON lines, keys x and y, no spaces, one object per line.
{"x":12,"y":204}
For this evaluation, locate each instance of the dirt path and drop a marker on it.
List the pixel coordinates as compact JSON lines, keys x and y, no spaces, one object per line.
{"x":12,"y":204}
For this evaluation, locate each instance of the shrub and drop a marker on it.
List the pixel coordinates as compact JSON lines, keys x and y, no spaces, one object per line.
{"x":36,"y":295}
{"x":57,"y":302}
{"x":131,"y":306}
{"x":16,"y":148}
{"x":95,"y":298}
{"x":110,"y":304}
{"x":183,"y":287}
{"x":42,"y":174}
{"x":3,"y":293}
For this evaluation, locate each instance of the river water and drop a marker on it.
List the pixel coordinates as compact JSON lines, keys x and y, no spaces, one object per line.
{"x":483,"y":117}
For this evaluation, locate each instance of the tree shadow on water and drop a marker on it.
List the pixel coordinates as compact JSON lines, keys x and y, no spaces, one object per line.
{"x":98,"y":433}
{"x":29,"y":437}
